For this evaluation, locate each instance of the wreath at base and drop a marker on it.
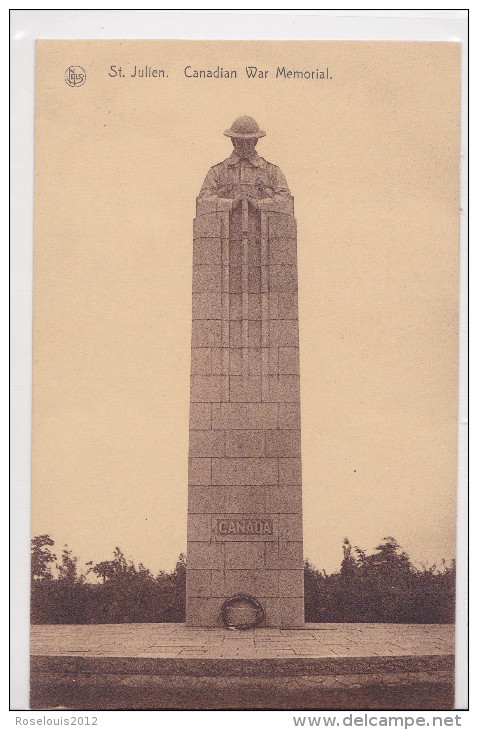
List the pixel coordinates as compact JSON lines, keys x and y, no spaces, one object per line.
{"x":258,"y":611}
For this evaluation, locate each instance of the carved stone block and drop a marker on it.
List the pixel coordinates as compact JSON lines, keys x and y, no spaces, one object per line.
{"x":207,"y":305}
{"x":284,"y":554}
{"x":245,"y":443}
{"x":284,"y":388}
{"x":207,"y":443}
{"x":290,"y":471}
{"x":207,"y":278}
{"x":283,"y":443}
{"x":291,"y":583}
{"x":245,"y":389}
{"x":245,"y":415}
{"x":207,"y":251}
{"x":244,"y":555}
{"x":284,"y":333}
{"x":198,"y":583}
{"x":205,"y":555}
{"x":254,"y":582}
{"x":289,"y":415}
{"x":206,"y":499}
{"x":199,"y":527}
{"x":200,"y":415}
{"x":246,"y":471}
{"x":200,"y":471}
{"x":201,"y":361}
{"x":289,"y":361}
{"x":209,"y":388}
{"x":283,"y":278}
{"x":206,"y":333}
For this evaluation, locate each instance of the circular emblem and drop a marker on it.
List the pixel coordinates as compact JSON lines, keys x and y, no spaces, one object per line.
{"x":242,"y":612}
{"x":75,"y":76}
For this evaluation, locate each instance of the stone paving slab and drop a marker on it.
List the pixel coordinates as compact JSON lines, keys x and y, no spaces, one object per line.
{"x":177,"y":640}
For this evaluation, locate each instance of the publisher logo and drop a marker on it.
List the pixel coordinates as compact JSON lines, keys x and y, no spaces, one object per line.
{"x":75,"y":76}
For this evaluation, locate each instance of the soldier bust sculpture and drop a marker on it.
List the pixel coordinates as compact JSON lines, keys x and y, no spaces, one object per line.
{"x":245,"y":175}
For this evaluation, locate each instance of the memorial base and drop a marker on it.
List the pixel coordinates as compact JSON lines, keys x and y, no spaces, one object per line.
{"x":323,"y":666}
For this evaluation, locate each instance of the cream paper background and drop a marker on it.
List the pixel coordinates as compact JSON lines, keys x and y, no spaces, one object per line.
{"x":372,"y":158}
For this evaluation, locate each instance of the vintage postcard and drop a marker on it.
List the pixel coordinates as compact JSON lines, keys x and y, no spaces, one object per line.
{"x":245,"y":374}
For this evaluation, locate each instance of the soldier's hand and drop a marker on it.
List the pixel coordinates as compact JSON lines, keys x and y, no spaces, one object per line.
{"x":237,"y":201}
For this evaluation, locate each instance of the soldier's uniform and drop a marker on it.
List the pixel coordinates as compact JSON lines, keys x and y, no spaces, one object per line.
{"x":252,"y":176}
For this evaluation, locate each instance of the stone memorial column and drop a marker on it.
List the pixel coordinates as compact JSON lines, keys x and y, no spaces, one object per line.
{"x":244,"y":506}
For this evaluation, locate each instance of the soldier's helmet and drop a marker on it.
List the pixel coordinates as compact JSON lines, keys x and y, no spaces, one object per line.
{"x":245,"y":128}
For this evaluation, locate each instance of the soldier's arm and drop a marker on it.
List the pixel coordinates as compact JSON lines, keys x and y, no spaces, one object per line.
{"x":281,"y":200}
{"x":279,"y":183}
{"x":210,"y":186}
{"x":208,"y":200}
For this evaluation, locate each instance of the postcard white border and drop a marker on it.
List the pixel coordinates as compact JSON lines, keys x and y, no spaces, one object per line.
{"x":26,"y":27}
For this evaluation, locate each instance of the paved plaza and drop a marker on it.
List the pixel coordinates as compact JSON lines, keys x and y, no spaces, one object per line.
{"x":179,"y":641}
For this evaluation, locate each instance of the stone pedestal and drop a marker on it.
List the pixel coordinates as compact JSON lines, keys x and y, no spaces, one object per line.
{"x":244,"y":507}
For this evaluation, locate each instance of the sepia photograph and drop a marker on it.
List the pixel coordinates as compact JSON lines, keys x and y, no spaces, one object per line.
{"x":245,"y":374}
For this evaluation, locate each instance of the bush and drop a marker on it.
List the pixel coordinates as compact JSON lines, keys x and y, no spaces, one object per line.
{"x":127,"y":595}
{"x":382,"y":587}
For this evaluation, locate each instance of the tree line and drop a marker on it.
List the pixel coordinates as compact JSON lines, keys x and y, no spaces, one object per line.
{"x":384,"y":586}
